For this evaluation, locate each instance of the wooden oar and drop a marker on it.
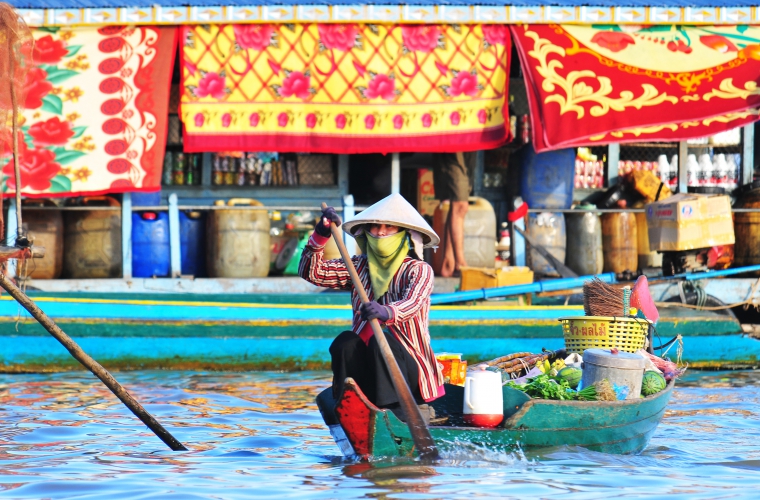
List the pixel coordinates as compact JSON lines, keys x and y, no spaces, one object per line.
{"x":91,"y":364}
{"x":419,"y":431}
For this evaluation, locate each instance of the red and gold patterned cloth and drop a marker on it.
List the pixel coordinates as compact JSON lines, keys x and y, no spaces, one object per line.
{"x":344,"y":88}
{"x":598,"y":84}
{"x":96,"y":110}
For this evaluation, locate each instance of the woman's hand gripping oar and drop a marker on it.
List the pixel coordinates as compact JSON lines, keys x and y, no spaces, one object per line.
{"x":420,"y":433}
{"x":91,"y":365}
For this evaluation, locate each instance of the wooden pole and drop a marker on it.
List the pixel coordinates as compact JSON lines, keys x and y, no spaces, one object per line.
{"x":421,"y":436}
{"x":91,"y":365}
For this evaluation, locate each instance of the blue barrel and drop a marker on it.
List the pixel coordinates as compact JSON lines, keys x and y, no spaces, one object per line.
{"x":146,"y":199}
{"x":150,"y":244}
{"x":192,"y":233}
{"x":546,"y":179}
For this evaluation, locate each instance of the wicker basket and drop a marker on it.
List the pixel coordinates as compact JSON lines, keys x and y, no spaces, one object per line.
{"x":604,"y":332}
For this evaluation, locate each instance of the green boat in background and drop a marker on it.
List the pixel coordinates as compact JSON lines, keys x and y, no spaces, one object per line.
{"x":360,"y":429}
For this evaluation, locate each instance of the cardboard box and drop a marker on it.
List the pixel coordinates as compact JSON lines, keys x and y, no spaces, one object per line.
{"x":475,"y":278}
{"x":688,"y":221}
{"x":426,"y":201}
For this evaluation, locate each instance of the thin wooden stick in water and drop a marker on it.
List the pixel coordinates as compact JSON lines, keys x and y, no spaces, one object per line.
{"x":91,"y":365}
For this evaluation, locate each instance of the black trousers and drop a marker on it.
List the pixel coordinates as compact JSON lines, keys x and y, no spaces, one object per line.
{"x":365,"y":364}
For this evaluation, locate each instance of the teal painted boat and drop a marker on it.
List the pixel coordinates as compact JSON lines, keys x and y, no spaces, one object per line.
{"x":362,"y":430}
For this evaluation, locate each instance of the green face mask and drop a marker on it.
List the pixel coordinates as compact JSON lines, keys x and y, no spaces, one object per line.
{"x":385,"y":256}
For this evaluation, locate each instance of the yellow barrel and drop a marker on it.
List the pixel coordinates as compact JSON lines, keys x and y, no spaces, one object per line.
{"x":45,"y":229}
{"x":747,"y":230}
{"x":479,"y":233}
{"x":647,"y":258}
{"x":238,"y":241}
{"x":620,"y":242}
{"x":92,"y":239}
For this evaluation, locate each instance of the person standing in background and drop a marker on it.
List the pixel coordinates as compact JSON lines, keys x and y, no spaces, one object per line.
{"x":452,"y":180}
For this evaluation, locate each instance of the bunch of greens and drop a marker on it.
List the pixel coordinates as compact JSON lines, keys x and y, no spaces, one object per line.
{"x":546,"y":387}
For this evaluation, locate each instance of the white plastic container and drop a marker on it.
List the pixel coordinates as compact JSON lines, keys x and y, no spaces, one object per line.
{"x":483,"y":400}
{"x":623,"y":370}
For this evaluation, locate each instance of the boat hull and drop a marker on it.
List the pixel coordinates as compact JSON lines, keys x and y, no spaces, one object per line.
{"x":256,"y":332}
{"x":620,"y":427}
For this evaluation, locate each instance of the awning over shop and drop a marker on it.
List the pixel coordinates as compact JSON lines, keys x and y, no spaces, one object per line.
{"x":96,"y":111}
{"x":344,"y":88}
{"x":597,"y":84}
{"x":636,"y":12}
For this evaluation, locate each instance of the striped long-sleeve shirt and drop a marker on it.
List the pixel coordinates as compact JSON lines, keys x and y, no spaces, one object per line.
{"x":408,"y":298}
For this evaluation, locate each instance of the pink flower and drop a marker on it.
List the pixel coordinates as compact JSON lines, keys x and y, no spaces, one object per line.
{"x":455,"y":117}
{"x":199,"y":119}
{"x":340,"y":121}
{"x":211,"y":84}
{"x":398,"y":122}
{"x":253,"y":36}
{"x":297,"y":84}
{"x":482,"y":116}
{"x":337,"y":36}
{"x":719,"y":43}
{"x":420,"y":37}
{"x":226,"y":120}
{"x":311,"y":120}
{"x":369,"y":122}
{"x":427,"y":120}
{"x":464,"y":83}
{"x":282,"y":119}
{"x":496,"y":34}
{"x":613,"y":40}
{"x":254,"y":119}
{"x":381,"y":86}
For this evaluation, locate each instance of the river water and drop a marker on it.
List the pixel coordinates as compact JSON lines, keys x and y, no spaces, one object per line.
{"x":260,"y":435}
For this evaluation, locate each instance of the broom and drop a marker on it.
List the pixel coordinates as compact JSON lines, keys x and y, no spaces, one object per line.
{"x":601,"y":299}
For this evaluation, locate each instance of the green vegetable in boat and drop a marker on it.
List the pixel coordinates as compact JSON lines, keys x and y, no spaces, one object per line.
{"x":652,"y":383}
{"x":571,"y":375}
{"x":545,"y":387}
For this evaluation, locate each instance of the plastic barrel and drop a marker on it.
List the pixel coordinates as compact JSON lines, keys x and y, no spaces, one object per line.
{"x":546,"y":179}
{"x":620,"y":240}
{"x":92,"y":240}
{"x":548,"y":229}
{"x":146,"y":199}
{"x":238,"y":241}
{"x":584,"y":246}
{"x":150,"y":244}
{"x":45,"y":229}
{"x":479,"y":233}
{"x":192,"y":234}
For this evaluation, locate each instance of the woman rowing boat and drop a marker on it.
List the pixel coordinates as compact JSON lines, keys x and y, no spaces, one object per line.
{"x":391,"y":235}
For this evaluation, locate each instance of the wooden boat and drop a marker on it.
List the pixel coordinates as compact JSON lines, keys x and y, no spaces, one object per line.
{"x":360,"y":429}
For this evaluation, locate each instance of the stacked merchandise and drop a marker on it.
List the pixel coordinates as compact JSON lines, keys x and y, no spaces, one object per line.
{"x":182,"y":169}
{"x":666,"y":170}
{"x":253,"y":169}
{"x":722,"y":171}
{"x":589,"y":170}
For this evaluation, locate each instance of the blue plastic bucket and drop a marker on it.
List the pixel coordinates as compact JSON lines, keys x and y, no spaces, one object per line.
{"x":150,"y":244}
{"x":192,"y":231}
{"x":546,"y":179}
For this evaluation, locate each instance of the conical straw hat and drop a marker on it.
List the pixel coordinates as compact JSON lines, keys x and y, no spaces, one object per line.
{"x":396,"y":211}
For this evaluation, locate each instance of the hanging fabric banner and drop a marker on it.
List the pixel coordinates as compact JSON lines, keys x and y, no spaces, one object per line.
{"x":598,"y":84}
{"x":96,"y":112}
{"x":344,"y":88}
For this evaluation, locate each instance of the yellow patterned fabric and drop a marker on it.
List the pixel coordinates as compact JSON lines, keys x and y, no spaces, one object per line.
{"x":344,"y":88}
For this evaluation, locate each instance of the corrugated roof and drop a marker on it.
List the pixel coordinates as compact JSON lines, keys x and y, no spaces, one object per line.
{"x":75,"y":4}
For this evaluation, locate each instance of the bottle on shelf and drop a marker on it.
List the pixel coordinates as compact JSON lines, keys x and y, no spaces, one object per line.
{"x":217,"y":176}
{"x":503,"y":246}
{"x":180,"y":163}
{"x":663,"y":169}
{"x":512,"y":118}
{"x":692,"y":170}
{"x":720,"y":171}
{"x":705,"y":170}
{"x":673,"y":175}
{"x":168,"y":172}
{"x":191,"y":160}
{"x":732,"y":176}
